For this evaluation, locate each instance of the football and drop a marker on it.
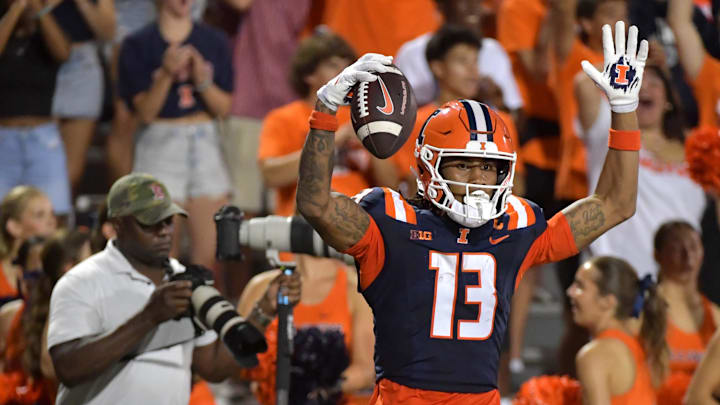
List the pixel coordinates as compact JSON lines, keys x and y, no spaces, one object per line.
{"x":383,"y":112}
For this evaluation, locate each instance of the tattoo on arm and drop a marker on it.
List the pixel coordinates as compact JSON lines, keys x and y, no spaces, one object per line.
{"x":316,"y":165}
{"x":349,"y":219}
{"x":338,"y":219}
{"x":587,"y":221}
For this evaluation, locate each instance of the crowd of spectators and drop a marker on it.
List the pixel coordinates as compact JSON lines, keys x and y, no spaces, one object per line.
{"x":217,"y":113}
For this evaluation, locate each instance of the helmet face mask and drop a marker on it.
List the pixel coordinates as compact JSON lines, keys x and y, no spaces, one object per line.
{"x":465,"y":129}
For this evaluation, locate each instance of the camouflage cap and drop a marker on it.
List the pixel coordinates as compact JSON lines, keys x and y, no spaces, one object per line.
{"x":142,"y":196}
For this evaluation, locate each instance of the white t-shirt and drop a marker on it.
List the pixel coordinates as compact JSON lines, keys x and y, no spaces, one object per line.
{"x":493,"y":61}
{"x":665,"y":193}
{"x":92,"y":300}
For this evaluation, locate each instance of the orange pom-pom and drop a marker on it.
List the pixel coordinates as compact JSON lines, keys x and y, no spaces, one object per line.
{"x":264,"y":373}
{"x":672,"y":391}
{"x":17,"y":388}
{"x":702,"y":153}
{"x":549,"y":390}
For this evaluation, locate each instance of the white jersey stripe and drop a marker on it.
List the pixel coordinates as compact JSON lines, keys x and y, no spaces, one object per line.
{"x":519,"y":210}
{"x":399,"y":207}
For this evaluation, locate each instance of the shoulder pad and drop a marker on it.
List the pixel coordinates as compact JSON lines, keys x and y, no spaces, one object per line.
{"x":385,"y":202}
{"x":522,"y":213}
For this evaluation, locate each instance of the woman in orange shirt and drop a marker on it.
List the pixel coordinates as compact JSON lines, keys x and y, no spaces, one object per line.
{"x":24,"y":212}
{"x":692,"y":318}
{"x":617,"y":367}
{"x":332,"y":314}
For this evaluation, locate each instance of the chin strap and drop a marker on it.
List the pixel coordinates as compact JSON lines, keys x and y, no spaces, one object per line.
{"x":472,"y":212}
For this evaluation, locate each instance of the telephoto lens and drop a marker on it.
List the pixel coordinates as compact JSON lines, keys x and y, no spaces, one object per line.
{"x":215,"y":312}
{"x":242,"y":339}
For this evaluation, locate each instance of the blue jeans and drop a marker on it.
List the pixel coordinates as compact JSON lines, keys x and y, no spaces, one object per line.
{"x":35,"y":156}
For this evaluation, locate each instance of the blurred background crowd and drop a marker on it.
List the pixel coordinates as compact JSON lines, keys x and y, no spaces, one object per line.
{"x":212,"y":98}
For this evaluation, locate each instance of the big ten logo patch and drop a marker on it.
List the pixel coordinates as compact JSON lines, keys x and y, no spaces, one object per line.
{"x":186,"y":98}
{"x":416,"y":234}
{"x":622,"y":75}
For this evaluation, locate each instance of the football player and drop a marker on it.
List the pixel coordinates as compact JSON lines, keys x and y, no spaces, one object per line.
{"x":439,"y":271}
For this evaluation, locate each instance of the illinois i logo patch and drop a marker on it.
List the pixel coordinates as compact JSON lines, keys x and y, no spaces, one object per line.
{"x":622,"y":75}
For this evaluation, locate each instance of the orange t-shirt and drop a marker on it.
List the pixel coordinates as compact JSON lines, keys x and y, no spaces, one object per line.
{"x":706,"y":88}
{"x":687,"y":348}
{"x":571,"y":180}
{"x":333,"y":313}
{"x":380,"y":26}
{"x":405,"y":157}
{"x":519,"y":23}
{"x":642,"y":391}
{"x":284,"y":131}
{"x":7,"y":291}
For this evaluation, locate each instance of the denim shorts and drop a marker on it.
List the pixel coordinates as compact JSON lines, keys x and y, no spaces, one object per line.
{"x":79,"y":88}
{"x":186,"y":157}
{"x":35,"y":156}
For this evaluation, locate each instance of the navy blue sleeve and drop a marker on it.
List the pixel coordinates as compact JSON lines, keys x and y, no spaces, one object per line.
{"x":223,"y":69}
{"x":133,"y":74}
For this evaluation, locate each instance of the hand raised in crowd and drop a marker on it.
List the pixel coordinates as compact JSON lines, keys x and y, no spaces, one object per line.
{"x":201,"y":69}
{"x":656,"y":54}
{"x":176,"y":58}
{"x":293,"y":284}
{"x":169,"y":300}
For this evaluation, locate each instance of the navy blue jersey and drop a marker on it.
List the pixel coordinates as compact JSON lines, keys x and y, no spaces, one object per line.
{"x":142,"y":54}
{"x":440,"y":292}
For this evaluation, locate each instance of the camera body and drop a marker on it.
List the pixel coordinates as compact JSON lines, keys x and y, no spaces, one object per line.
{"x":215,"y":312}
{"x":227,"y":224}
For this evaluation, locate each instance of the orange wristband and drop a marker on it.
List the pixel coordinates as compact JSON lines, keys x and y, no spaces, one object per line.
{"x":323,"y":121}
{"x":624,"y":140}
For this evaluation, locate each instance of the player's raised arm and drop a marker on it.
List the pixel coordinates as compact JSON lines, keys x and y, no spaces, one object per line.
{"x":616,"y":193}
{"x":337,"y":218}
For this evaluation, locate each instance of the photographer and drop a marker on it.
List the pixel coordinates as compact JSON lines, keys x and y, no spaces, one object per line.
{"x":118,"y":328}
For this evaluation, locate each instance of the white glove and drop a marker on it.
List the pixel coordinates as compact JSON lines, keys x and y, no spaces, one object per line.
{"x":622,"y":70}
{"x":334,"y":93}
